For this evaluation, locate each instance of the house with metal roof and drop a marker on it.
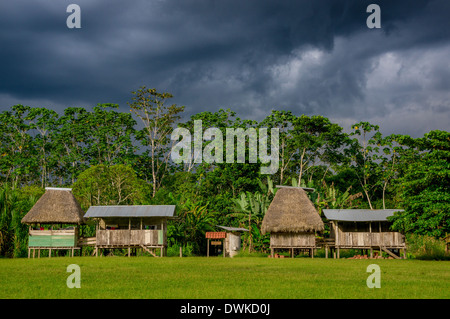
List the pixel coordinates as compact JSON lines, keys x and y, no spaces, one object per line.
{"x":364,"y":229}
{"x":133,"y":227}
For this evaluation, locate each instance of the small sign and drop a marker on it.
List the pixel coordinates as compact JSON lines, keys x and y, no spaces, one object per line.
{"x":218,"y":242}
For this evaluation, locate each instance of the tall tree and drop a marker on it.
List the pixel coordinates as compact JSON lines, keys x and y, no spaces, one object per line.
{"x":17,"y":158}
{"x":284,"y":121}
{"x":111,"y":135}
{"x":109,"y":185}
{"x":43,"y":121}
{"x":70,"y":138}
{"x":159,"y":120}
{"x":426,"y":187}
{"x":317,"y":140}
{"x":363,"y":156}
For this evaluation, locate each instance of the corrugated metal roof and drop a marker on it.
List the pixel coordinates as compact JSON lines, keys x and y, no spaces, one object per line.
{"x":232,"y":228}
{"x":359,"y":215}
{"x":306,"y":189}
{"x":131,"y":211}
{"x":58,"y":189}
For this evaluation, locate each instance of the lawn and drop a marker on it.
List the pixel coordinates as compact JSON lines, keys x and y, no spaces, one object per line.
{"x":201,"y":277}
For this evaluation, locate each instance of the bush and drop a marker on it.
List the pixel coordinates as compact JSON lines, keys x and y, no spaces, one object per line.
{"x":174,"y":250}
{"x":425,"y":247}
{"x":245,"y":253}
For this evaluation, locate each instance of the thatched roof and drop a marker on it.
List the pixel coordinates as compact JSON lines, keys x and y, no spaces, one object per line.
{"x":56,"y":206}
{"x":291,"y":211}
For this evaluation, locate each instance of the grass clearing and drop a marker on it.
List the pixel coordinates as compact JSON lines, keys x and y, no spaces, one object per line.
{"x":217,"y":278}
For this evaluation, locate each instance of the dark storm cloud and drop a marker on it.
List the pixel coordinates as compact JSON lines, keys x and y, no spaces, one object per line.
{"x":313,"y":57}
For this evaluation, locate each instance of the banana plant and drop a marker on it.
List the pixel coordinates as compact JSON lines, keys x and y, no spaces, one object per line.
{"x":250,"y":208}
{"x":333,"y":199}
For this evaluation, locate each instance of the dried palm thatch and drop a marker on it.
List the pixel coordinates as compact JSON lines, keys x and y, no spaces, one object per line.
{"x":56,"y":206}
{"x":291,"y":211}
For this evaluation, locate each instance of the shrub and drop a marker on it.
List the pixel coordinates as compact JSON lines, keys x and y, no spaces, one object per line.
{"x":426,"y":247}
{"x":174,"y":250}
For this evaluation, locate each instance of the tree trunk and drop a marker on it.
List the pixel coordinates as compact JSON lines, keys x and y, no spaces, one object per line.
{"x":301,"y":168}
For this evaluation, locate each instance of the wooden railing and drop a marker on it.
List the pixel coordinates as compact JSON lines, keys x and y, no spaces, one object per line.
{"x":290,"y":240}
{"x":52,"y":238}
{"x":366,"y":239}
{"x":126,"y":237}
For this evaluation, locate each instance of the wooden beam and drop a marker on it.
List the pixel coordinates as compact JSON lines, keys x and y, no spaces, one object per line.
{"x":390,"y":253}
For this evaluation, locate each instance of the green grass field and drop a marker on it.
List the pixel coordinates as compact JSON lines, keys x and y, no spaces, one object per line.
{"x":201,"y":277}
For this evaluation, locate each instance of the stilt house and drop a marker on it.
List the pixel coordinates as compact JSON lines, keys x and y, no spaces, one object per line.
{"x":138,"y":226}
{"x":53,"y":221}
{"x":292,"y":221}
{"x":364,"y":229}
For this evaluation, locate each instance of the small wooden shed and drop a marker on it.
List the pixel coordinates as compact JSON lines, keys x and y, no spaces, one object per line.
{"x":230,"y":239}
{"x":292,"y":221}
{"x":53,"y":222}
{"x":136,"y":226}
{"x":364,"y":229}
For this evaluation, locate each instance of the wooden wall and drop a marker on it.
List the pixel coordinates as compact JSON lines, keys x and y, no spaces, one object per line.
{"x":359,"y":239}
{"x":52,"y":238}
{"x":292,"y":240}
{"x":125,"y":237}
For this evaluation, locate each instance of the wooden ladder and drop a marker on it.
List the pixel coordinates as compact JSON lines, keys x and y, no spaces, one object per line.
{"x":390,"y":252}
{"x":149,"y":251}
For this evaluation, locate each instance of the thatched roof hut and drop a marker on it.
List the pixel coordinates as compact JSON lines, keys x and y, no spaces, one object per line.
{"x":56,"y":206}
{"x":291,"y":211}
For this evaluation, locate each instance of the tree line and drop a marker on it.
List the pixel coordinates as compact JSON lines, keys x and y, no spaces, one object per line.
{"x":113,"y":157}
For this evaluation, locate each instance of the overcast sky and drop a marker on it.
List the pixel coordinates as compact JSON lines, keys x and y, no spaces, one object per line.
{"x":312,"y":57}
